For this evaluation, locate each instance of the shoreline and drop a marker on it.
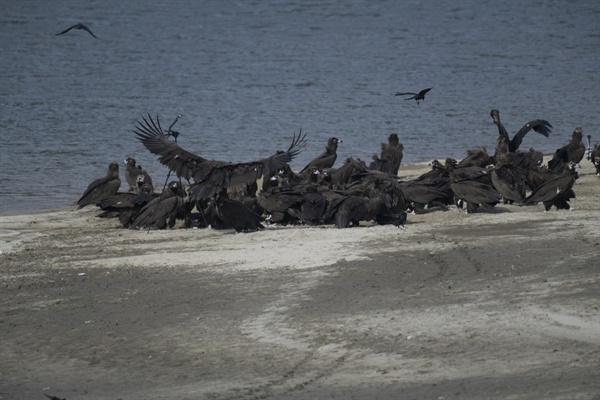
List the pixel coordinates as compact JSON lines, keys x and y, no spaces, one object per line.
{"x":485,"y":305}
{"x":73,"y":207}
{"x":413,"y":169}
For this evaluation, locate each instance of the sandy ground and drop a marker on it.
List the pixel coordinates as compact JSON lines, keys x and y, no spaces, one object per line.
{"x":453,"y":306}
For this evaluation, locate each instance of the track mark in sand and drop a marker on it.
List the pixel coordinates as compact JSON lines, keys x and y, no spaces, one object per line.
{"x":467,"y":255}
{"x":321,"y":358}
{"x":295,"y":379}
{"x":440,"y":258}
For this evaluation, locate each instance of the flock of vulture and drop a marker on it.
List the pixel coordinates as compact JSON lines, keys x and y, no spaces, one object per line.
{"x":246,"y":196}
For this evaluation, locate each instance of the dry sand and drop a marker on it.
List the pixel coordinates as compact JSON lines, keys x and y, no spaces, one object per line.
{"x":454,"y":306}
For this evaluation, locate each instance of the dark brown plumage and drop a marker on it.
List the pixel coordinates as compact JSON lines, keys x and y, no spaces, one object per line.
{"x":391,"y":156}
{"x":476,"y":158}
{"x":163,"y":211}
{"x":396,"y":219}
{"x":277,"y":204}
{"x":312,"y":208}
{"x":377,"y":184}
{"x":595,"y":158}
{"x":127,"y":205}
{"x":420,"y":195}
{"x":507,"y":145}
{"x":476,"y":194}
{"x":230,"y":213}
{"x":327,"y":158}
{"x":418,"y":97}
{"x":437,"y":175}
{"x":527,"y":160}
{"x":348,"y":211}
{"x":557,"y":191}
{"x":53,"y":397}
{"x":509,"y":180}
{"x":475,"y":173}
{"x":112,"y":205}
{"x":133,"y":173}
{"x":210,"y":176}
{"x":571,"y":152}
{"x":101,"y":188}
{"x":341,"y":176}
{"x":78,"y":26}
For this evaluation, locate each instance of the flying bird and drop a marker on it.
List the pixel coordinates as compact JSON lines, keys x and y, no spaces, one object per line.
{"x":418,"y":97}
{"x":78,"y":26}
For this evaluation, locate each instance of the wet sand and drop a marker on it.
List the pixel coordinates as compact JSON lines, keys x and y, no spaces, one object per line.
{"x":503,"y":305}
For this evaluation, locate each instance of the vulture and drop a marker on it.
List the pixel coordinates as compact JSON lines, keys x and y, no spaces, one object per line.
{"x":327,"y":158}
{"x":476,"y":194}
{"x":557,"y":191}
{"x":571,"y":152}
{"x":163,"y":211}
{"x":507,"y":145}
{"x":595,"y":158}
{"x":391,"y":156}
{"x":509,"y":180}
{"x":133,"y":173}
{"x":101,"y":188}
{"x":312,"y":208}
{"x":228,"y":213}
{"x":210,"y":176}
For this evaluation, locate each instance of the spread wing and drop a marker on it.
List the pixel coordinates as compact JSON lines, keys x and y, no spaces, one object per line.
{"x":88,"y":30}
{"x":78,"y":26}
{"x":210,"y":175}
{"x":539,"y":125}
{"x":503,"y":134}
{"x":182,"y":162}
{"x":406,"y":94}
{"x":66,"y":30}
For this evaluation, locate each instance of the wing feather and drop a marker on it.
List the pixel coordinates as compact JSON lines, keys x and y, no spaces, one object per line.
{"x":210,"y":175}
{"x":539,"y":125}
{"x":182,"y":162}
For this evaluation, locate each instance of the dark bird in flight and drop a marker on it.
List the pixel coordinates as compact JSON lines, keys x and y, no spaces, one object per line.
{"x":78,"y":26}
{"x":418,"y":97}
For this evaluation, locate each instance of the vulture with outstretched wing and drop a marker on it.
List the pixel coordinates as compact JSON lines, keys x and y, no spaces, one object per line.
{"x":507,"y":145}
{"x":210,"y":176}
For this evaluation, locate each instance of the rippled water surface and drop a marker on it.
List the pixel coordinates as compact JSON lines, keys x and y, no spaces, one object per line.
{"x":247,"y":75}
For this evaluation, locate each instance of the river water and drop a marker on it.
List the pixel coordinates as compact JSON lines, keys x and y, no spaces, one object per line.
{"x":247,"y":75}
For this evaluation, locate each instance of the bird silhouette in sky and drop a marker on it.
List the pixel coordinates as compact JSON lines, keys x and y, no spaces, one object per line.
{"x":78,"y":26}
{"x":418,"y":97}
